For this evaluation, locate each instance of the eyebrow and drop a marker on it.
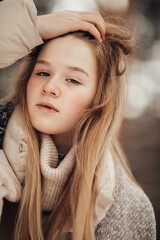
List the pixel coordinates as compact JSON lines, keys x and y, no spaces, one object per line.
{"x":43,"y":62}
{"x":74,"y":68}
{"x":78,"y":69}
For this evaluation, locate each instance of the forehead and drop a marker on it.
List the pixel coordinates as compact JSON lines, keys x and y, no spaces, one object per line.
{"x":68,"y":50}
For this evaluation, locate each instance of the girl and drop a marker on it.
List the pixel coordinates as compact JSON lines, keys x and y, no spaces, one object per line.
{"x":67,"y":169}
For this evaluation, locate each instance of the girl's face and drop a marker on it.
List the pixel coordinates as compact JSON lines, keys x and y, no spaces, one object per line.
{"x":62,"y":85}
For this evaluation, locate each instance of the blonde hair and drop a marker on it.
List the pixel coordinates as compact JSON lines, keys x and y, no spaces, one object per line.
{"x":97,"y":131}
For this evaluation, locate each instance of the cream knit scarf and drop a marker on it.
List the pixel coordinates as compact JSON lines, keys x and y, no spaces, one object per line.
{"x":54,"y":176}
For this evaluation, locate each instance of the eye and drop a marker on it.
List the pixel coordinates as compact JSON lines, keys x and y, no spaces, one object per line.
{"x":70,"y":80}
{"x":43,"y":74}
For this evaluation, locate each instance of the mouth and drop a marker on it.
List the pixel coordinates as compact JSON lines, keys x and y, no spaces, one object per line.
{"x":47,"y":106}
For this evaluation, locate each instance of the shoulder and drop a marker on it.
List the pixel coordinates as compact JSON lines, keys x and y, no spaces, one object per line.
{"x":131,"y":215}
{"x":5,"y":113}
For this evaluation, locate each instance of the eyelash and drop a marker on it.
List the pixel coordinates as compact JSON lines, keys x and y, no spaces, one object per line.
{"x":43,"y":74}
{"x":73,"y":81}
{"x":70,"y":80}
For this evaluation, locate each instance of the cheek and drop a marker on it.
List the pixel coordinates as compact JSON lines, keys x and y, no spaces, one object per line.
{"x":84,"y":100}
{"x":79,"y":104}
{"x":31,"y":88}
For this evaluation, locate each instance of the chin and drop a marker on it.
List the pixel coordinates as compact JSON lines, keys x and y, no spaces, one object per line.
{"x":42,"y":129}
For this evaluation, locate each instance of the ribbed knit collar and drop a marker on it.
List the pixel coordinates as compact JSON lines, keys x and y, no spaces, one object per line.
{"x":54,"y":175}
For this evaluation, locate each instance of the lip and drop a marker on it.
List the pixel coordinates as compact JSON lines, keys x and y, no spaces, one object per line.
{"x":47,"y":106}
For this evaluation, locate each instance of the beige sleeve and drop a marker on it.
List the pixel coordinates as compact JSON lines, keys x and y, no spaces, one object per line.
{"x":10,"y":188}
{"x":18,"y":33}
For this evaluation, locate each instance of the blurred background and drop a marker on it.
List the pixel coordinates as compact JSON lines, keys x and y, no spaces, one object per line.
{"x":141,"y":128}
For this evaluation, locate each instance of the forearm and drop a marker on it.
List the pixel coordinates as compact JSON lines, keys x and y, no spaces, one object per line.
{"x":21,"y":30}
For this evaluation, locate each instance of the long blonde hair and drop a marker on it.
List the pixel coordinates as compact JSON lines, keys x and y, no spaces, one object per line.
{"x":97,"y":131}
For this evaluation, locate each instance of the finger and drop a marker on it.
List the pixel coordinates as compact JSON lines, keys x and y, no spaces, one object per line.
{"x":88,"y":27}
{"x":94,"y":18}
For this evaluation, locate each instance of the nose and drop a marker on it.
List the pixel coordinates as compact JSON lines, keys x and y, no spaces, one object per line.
{"x":51,"y":88}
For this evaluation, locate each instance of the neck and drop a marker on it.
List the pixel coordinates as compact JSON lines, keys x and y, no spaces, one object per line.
{"x":63,"y":142}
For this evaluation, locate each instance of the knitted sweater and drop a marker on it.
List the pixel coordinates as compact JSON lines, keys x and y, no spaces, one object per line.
{"x":131,"y":215}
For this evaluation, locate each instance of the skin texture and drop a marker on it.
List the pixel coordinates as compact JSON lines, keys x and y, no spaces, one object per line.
{"x":64,"y":76}
{"x":56,"y":24}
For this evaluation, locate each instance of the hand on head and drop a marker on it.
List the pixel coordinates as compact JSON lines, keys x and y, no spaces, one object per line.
{"x":56,"y":24}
